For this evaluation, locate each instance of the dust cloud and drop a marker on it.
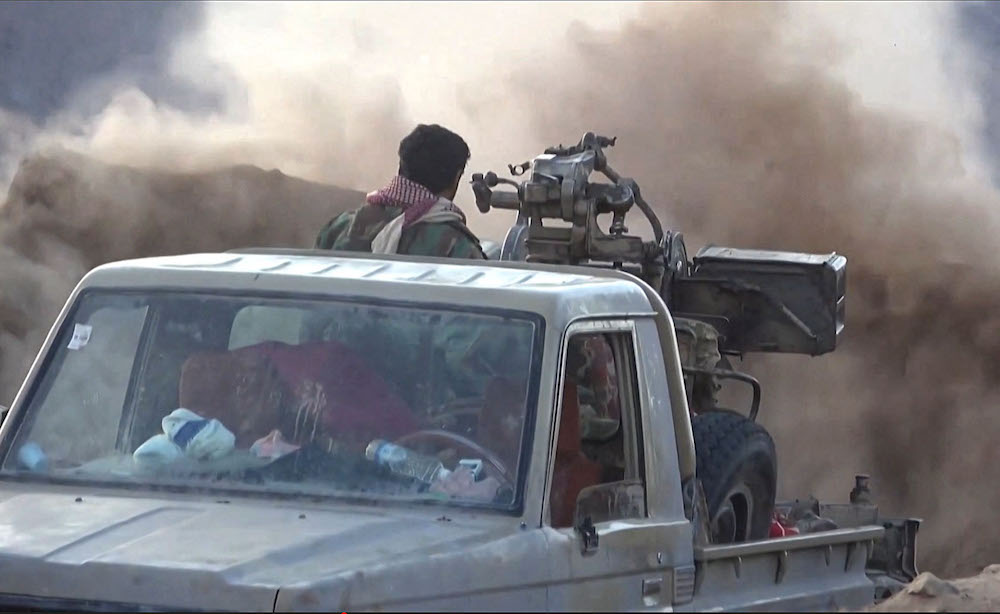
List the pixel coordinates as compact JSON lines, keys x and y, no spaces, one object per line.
{"x":796,"y":127}
{"x":66,"y":214}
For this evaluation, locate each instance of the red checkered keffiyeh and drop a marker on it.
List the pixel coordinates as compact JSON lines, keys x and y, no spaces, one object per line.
{"x":414,"y":199}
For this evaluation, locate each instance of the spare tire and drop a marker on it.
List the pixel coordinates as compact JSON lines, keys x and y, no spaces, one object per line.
{"x":738,"y":469}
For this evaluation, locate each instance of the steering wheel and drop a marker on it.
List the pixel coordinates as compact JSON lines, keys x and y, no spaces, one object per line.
{"x":447,"y":438}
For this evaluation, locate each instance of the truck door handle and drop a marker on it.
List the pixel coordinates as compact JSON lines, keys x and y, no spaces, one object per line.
{"x":651,"y":591}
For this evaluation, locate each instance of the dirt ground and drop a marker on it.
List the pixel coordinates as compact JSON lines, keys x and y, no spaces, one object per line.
{"x":928,"y":593}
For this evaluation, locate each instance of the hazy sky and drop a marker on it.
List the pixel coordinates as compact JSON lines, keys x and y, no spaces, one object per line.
{"x":76,"y":55}
{"x":980,"y":21}
{"x":52,"y":51}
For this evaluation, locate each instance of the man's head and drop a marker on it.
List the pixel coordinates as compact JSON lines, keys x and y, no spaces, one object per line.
{"x":435,"y":158}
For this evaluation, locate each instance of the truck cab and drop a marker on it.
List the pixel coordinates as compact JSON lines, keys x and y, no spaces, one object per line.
{"x":562,"y":387}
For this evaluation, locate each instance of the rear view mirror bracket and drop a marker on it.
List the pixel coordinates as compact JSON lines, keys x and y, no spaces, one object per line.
{"x":588,"y":533}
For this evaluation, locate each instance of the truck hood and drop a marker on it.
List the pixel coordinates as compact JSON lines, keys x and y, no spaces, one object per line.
{"x":210,"y":555}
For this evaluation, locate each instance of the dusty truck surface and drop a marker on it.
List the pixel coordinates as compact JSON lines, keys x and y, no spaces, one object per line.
{"x":289,"y":430}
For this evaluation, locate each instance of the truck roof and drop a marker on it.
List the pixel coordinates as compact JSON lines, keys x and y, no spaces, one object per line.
{"x":544,"y":289}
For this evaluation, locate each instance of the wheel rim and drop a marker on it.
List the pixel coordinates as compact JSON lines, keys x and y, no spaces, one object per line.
{"x":731,"y":524}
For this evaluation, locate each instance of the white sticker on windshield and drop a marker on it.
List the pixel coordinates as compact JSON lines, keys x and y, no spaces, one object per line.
{"x":81,"y":335}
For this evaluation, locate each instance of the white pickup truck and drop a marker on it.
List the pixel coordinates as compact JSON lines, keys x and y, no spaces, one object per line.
{"x":553,"y":396}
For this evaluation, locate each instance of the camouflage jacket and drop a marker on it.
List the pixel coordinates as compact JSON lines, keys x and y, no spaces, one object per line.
{"x":355,"y":230}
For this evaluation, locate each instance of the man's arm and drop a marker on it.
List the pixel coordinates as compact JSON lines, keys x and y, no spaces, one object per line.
{"x":444,"y":240}
{"x":463,"y":243}
{"x":467,"y":248}
{"x":333,"y":230}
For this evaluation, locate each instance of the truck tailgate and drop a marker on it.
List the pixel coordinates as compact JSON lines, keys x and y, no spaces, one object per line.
{"x":820,"y":571}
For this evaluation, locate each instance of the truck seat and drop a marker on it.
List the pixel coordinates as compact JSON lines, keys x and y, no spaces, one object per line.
{"x":499,"y":428}
{"x":573,"y":471}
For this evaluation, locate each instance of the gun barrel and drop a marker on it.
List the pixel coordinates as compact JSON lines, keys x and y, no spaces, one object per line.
{"x":505,"y":200}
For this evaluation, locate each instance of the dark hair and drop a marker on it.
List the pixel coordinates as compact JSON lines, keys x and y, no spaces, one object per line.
{"x":432,"y":156}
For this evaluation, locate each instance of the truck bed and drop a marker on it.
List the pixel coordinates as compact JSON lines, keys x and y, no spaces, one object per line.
{"x":819,"y":571}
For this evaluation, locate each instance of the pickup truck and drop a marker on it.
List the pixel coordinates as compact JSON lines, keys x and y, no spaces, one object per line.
{"x":554,"y":394}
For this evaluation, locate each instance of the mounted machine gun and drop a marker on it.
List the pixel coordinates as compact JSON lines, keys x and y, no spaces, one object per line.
{"x":725,"y":301}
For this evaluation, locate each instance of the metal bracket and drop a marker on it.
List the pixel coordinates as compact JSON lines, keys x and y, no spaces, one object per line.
{"x":588,"y":532}
{"x":519,"y":169}
{"x":736,"y":375}
{"x":779,"y":574}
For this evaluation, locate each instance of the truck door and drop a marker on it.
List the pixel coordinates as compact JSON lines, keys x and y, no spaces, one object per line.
{"x":607,"y":551}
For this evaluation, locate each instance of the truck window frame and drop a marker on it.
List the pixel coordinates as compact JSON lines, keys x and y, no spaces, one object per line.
{"x":627,"y":369}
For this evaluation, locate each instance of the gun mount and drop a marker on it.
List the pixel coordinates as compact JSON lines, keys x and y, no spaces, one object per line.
{"x":559,"y":189}
{"x":726,"y":301}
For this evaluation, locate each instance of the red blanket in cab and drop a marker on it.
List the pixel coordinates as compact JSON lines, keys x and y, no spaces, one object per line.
{"x":338,"y":394}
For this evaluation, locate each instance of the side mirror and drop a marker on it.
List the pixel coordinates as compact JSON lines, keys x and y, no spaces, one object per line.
{"x":611,"y":501}
{"x":588,"y":535}
{"x":604,"y":502}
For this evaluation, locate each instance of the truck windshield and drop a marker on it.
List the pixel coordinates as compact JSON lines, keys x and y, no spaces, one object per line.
{"x":284,"y":395}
